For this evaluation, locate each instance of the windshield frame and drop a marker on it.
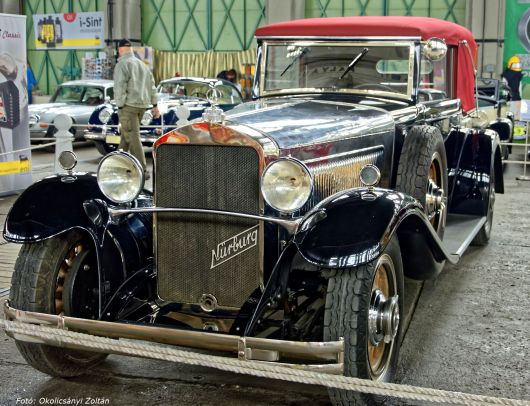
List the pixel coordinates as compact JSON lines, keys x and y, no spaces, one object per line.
{"x":209,"y":84}
{"x":85,"y":87}
{"x":357,"y":42}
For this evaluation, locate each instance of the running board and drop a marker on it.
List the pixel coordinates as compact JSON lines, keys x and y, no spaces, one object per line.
{"x":460,"y":230}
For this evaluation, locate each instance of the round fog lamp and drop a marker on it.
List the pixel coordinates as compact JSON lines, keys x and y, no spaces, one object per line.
{"x":286,"y":185}
{"x":104,"y":115}
{"x":120,"y":177}
{"x":67,"y":160}
{"x":370,"y":175}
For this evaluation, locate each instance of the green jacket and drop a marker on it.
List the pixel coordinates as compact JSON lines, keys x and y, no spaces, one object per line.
{"x":133,"y":83}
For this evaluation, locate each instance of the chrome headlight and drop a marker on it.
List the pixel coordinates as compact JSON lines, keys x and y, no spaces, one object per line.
{"x":104,"y":115}
{"x":286,"y":185}
{"x":120,"y":177}
{"x":147,"y":118}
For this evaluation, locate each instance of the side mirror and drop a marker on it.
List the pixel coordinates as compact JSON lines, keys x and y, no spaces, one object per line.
{"x":435,"y":49}
{"x":107,"y":99}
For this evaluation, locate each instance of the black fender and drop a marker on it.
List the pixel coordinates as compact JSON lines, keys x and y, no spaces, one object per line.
{"x":52,"y":206}
{"x":63,"y":202}
{"x":472,"y":154}
{"x":353,"y":227}
{"x":503,"y":127}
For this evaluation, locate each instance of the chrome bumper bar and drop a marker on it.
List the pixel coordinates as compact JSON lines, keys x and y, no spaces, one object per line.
{"x":290,"y":225}
{"x":253,"y":349}
{"x":148,"y":139}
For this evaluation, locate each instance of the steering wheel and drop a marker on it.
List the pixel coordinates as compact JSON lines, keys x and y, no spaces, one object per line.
{"x":198,"y":93}
{"x":374,"y":86}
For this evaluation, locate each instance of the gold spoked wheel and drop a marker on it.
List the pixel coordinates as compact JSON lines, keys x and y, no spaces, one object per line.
{"x":383,"y":317}
{"x":64,"y":268}
{"x":58,"y":275}
{"x":435,"y":199}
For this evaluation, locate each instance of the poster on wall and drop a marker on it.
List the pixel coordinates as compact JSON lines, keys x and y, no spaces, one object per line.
{"x":14,"y":130}
{"x":69,"y":30}
{"x":517,"y":39}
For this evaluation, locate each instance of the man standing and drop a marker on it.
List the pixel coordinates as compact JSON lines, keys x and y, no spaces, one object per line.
{"x":134,"y":91}
{"x":512,"y":75}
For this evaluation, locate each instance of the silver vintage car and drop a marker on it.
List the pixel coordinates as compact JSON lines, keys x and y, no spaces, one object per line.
{"x":77,"y":98}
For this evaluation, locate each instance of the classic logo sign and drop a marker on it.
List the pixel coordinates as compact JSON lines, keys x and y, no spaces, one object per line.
{"x":234,"y":246}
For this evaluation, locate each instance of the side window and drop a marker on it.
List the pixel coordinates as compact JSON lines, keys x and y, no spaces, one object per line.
{"x":110,"y":93}
{"x":437,"y":83}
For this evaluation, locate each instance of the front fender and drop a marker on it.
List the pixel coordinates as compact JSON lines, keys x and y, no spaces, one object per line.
{"x":52,"y":206}
{"x":352,"y":228}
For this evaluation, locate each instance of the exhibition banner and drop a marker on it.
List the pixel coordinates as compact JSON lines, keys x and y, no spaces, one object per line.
{"x":69,"y":30}
{"x":517,"y":39}
{"x":14,"y":130}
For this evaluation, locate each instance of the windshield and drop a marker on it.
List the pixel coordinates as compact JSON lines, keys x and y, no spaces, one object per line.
{"x":338,"y":67}
{"x":88,"y":95}
{"x":226,"y":94}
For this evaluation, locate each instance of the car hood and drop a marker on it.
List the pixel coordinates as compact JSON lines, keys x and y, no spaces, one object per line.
{"x":294,"y":122}
{"x":53,"y":109}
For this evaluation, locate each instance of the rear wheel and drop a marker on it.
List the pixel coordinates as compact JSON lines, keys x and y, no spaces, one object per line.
{"x":484,"y":234}
{"x":57,"y":276}
{"x":364,"y":306}
{"x":422,"y":173}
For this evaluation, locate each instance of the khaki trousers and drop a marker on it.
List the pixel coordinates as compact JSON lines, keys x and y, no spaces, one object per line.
{"x":130,"y":118}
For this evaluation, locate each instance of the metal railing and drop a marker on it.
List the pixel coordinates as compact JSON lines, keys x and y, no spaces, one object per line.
{"x":526,"y":161}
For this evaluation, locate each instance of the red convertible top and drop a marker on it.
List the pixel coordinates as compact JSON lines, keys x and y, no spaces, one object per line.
{"x":389,"y":26}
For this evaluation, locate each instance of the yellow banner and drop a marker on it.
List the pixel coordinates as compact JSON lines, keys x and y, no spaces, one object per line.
{"x":10,"y":167}
{"x":80,"y":42}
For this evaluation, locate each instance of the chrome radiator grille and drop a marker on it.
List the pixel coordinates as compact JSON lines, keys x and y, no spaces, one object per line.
{"x":334,"y":174}
{"x":198,"y":254}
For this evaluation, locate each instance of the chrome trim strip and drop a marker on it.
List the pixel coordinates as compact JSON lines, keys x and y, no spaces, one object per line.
{"x":290,"y":225}
{"x":463,"y":247}
{"x":317,"y":351}
{"x":344,"y":154}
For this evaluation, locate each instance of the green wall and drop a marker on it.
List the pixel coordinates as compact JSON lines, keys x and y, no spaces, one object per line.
{"x":452,"y":10}
{"x":199,"y":25}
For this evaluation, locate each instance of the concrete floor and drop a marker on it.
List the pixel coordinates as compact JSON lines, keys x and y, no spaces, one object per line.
{"x":470,"y":332}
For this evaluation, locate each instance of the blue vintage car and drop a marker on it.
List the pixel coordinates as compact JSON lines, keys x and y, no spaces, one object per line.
{"x":192,"y":95}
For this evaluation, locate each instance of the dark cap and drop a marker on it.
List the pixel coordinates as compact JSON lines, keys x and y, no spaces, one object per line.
{"x":124,"y":43}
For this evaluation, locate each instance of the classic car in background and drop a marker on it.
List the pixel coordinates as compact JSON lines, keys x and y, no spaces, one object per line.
{"x":282,"y":231}
{"x":494,"y":101}
{"x":192,"y":94}
{"x":77,"y":99}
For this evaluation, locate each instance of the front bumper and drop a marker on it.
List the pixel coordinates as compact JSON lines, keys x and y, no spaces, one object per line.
{"x":326,"y":357}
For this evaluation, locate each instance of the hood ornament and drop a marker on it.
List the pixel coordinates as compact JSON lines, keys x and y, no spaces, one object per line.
{"x":213,"y":114}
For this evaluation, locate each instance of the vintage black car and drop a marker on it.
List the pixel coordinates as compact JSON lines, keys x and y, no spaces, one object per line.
{"x":183,"y":98}
{"x":281,"y":231}
{"x":494,"y":105}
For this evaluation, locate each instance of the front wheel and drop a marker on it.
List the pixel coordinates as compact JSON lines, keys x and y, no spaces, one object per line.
{"x":364,"y":305}
{"x":57,"y":276}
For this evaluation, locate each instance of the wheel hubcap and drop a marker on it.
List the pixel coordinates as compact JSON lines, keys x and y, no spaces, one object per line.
{"x":383,"y":317}
{"x":435,"y":200}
